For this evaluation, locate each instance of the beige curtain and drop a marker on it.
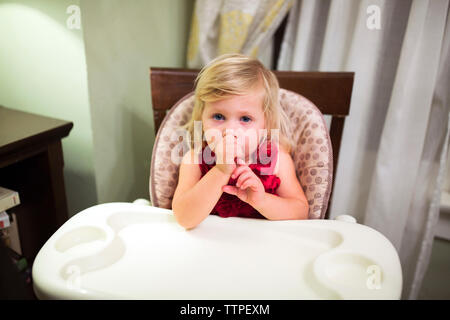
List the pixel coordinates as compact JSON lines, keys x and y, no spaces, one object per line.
{"x":393,"y":153}
{"x":230,"y":26}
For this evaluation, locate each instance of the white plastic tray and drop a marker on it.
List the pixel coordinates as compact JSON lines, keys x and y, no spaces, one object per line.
{"x":130,"y":251}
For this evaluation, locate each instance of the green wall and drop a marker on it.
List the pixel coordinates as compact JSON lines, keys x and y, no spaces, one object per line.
{"x":97,"y":77}
{"x":122,"y":40}
{"x":43,"y":71}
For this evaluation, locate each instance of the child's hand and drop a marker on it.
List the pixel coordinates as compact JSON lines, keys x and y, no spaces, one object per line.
{"x":249,"y":187}
{"x":226,"y":151}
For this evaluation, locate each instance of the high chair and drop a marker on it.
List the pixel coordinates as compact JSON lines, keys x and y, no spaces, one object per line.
{"x":132,"y":251}
{"x":305,"y":97}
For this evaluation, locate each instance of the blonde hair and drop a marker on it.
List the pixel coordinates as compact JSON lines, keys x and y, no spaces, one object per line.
{"x":236,"y":74}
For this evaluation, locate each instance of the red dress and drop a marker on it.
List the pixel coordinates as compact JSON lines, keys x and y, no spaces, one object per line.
{"x":230,"y":205}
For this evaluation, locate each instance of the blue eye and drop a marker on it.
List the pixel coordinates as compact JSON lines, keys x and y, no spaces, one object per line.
{"x":246,"y":119}
{"x":217,"y":116}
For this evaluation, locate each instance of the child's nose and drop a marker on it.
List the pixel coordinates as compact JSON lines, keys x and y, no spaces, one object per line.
{"x":238,"y":133}
{"x":233,"y":132}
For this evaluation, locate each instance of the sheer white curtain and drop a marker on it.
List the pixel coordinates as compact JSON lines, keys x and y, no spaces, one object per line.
{"x":393,"y":151}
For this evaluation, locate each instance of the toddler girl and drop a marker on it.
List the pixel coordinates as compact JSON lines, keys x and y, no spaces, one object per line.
{"x":243,"y":166}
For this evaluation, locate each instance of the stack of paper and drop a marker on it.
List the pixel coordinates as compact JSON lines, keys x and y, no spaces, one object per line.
{"x":8,"y":199}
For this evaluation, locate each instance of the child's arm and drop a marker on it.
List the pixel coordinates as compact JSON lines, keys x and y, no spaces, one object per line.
{"x":196,"y":196}
{"x":290,"y":204}
{"x":278,"y":208}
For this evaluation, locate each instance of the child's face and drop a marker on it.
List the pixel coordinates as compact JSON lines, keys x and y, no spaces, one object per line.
{"x":242,"y":113}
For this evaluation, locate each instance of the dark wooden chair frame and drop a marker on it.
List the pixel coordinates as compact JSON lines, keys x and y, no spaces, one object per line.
{"x":330,"y":91}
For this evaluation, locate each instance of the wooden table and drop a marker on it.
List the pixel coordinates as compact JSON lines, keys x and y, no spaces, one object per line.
{"x":31,"y":163}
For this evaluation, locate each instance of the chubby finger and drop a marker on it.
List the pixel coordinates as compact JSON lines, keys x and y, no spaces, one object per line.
{"x":249,"y":183}
{"x":229,"y":143}
{"x":243,"y":177}
{"x":240,"y":152}
{"x":240,"y":161}
{"x":230,"y":147}
{"x":239,"y":170}
{"x":229,"y":189}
